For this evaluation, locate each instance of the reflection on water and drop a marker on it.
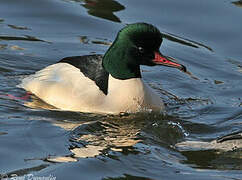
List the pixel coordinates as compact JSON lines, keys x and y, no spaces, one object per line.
{"x":103,"y":8}
{"x":90,"y":139}
{"x":3,"y":46}
{"x":88,"y":40}
{"x":102,"y":135}
{"x":214,"y":145}
{"x":185,"y":42}
{"x":236,"y":63}
{"x":18,"y":38}
{"x":93,"y":138}
{"x":18,"y":27}
{"x":222,"y":153}
{"x":214,"y":160}
{"x":238,"y":3}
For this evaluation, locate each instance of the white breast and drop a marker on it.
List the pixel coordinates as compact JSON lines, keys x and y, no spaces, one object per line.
{"x":65,"y":87}
{"x":132,"y":95}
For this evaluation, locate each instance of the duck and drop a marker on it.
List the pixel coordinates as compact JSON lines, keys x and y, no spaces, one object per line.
{"x":107,"y":84}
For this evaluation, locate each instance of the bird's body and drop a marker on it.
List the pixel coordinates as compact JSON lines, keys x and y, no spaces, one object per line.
{"x":66,"y":87}
{"x":104,"y":84}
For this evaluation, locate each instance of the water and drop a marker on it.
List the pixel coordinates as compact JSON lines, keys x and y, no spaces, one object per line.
{"x":205,"y":36}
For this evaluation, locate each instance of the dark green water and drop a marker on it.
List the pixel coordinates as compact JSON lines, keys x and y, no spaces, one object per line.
{"x":205,"y":36}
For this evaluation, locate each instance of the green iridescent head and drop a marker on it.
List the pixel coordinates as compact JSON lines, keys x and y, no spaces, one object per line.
{"x":136,"y":44}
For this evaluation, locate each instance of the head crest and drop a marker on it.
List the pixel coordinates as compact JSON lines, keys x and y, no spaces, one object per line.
{"x":140,"y":33}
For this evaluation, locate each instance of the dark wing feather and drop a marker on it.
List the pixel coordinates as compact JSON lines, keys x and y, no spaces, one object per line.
{"x":91,"y":67}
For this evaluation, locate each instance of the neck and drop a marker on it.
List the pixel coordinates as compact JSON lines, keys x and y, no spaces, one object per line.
{"x":118,"y":62}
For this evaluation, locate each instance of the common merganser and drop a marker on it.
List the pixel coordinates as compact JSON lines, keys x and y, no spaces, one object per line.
{"x":109,"y":84}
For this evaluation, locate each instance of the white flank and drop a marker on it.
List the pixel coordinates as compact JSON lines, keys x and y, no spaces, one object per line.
{"x":65,"y":87}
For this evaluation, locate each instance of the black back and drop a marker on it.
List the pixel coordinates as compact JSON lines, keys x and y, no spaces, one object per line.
{"x":91,"y":67}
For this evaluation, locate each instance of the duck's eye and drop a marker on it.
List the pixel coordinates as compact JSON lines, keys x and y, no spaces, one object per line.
{"x":141,"y":50}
